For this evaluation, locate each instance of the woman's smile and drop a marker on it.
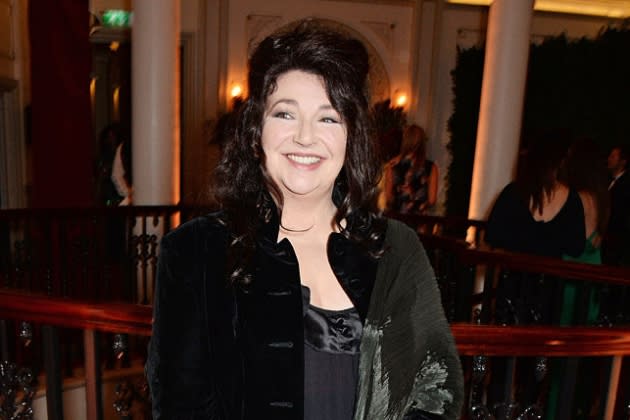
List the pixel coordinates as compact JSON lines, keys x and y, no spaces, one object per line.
{"x":309,"y":160}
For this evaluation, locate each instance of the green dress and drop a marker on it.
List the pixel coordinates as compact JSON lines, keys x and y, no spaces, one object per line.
{"x":590,"y":255}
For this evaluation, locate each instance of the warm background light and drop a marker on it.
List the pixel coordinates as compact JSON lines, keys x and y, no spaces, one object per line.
{"x":236,"y":91}
{"x":400,"y":99}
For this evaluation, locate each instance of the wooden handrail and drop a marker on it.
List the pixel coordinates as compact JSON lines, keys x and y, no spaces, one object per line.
{"x":496,"y":340}
{"x":511,"y":260}
{"x":471,"y":339}
{"x":448,"y":221}
{"x":529,"y":263}
{"x":71,"y":212}
{"x":110,"y":317}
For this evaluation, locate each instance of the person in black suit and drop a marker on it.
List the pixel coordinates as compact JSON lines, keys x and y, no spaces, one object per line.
{"x":616,"y":246}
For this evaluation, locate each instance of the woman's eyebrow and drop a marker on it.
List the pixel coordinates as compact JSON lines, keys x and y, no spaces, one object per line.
{"x":283,"y":101}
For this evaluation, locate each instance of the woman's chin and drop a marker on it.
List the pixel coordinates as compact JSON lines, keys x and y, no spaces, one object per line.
{"x":305,"y":192}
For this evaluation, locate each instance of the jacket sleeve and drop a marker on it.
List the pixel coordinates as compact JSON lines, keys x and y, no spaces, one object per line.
{"x":177,"y":366}
{"x":438,"y":388}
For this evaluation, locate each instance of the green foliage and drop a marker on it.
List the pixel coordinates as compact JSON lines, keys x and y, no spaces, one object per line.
{"x":389,"y":122}
{"x":462,"y":125}
{"x":579,"y":85}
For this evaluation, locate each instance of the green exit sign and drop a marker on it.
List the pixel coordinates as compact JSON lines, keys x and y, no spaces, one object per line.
{"x":117,"y":18}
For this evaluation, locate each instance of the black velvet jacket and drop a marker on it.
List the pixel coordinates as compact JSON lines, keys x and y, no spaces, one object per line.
{"x":220,"y":351}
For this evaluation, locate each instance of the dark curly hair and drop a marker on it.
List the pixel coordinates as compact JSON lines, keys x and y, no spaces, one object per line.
{"x":244,"y":189}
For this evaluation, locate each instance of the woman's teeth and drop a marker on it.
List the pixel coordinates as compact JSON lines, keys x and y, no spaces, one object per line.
{"x":304,"y":160}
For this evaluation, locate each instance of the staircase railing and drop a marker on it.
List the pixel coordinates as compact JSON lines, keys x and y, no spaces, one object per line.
{"x":60,"y":271}
{"x":53,"y":315}
{"x":491,"y":287}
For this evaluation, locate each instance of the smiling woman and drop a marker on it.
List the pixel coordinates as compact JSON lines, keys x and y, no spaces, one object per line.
{"x":304,"y":141}
{"x":297,"y":300}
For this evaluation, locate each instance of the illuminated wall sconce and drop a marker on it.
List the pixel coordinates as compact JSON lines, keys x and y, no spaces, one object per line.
{"x":400,"y":99}
{"x":236,"y":90}
{"x":235,"y":93}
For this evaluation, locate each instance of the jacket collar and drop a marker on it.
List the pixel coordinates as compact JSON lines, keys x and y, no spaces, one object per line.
{"x":353,"y":267}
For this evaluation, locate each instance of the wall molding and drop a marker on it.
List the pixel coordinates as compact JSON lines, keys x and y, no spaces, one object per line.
{"x":7,"y":38}
{"x":12,"y":147}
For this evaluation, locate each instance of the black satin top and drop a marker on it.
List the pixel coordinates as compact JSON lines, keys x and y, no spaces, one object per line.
{"x":331,"y":360}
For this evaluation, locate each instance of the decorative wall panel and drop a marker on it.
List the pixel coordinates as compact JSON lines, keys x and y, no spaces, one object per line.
{"x":7,"y":46}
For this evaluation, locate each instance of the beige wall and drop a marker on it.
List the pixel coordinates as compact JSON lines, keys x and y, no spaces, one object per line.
{"x":386,"y":27}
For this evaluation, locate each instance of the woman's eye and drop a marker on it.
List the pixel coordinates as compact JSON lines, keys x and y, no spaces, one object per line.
{"x":283,"y":115}
{"x":330,"y":120}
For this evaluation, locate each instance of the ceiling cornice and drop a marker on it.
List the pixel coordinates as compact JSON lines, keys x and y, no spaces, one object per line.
{"x":617,"y":9}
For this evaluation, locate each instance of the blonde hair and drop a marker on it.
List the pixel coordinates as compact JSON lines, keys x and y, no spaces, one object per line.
{"x":414,"y":142}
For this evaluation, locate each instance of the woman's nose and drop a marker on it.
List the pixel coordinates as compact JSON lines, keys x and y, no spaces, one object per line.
{"x":304,"y":135}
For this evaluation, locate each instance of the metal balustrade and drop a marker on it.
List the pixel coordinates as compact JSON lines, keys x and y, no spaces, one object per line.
{"x":103,"y":254}
{"x":53,"y":322}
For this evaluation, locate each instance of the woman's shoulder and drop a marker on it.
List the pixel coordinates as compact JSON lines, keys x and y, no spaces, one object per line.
{"x":510,"y":189}
{"x":195,"y":235}
{"x":397,"y":230}
{"x":510,"y":197}
{"x":400,"y":238}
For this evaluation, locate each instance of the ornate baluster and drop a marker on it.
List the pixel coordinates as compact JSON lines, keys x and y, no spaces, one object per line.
{"x":26,"y":333}
{"x":22,"y":261}
{"x":17,"y":388}
{"x":146,"y":255}
{"x":80,"y":258}
{"x":478,"y":411}
{"x":120,"y":345}
{"x":535,"y":410}
{"x":124,"y":399}
{"x":128,"y":393}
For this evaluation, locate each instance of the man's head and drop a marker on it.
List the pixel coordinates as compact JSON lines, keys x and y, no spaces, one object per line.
{"x":617,"y":160}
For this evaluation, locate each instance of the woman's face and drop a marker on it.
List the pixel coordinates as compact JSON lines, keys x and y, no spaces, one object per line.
{"x":303,"y":137}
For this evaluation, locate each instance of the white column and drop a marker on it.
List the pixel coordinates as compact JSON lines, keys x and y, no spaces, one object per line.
{"x":428,"y":27}
{"x":501,"y":108}
{"x":155,"y":82}
{"x":155,"y":101}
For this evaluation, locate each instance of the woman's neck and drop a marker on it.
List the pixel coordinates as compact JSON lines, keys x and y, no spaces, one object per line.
{"x":301,"y":216}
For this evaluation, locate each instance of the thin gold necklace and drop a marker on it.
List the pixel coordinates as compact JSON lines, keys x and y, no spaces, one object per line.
{"x":296,"y":230}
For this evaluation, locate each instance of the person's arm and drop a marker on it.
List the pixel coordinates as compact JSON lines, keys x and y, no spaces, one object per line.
{"x":118,"y":178}
{"x":433,"y":185}
{"x":388,"y":184}
{"x":178,"y":364}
